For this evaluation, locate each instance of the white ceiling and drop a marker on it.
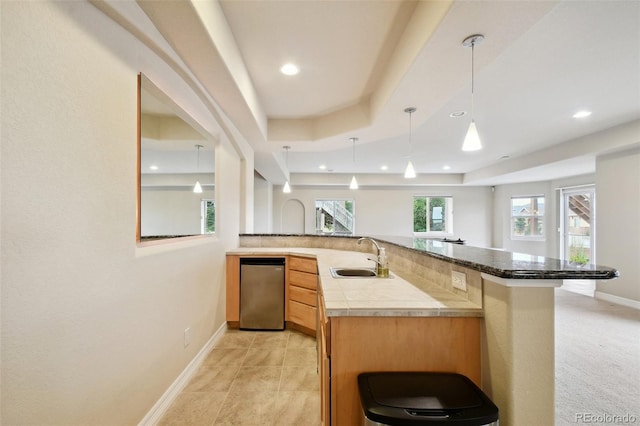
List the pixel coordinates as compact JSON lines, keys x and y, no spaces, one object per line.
{"x":363,"y":62}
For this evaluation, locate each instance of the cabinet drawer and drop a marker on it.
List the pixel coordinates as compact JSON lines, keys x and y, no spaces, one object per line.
{"x":304,"y":264}
{"x":303,"y":279}
{"x":302,"y":295}
{"x":302,"y":314}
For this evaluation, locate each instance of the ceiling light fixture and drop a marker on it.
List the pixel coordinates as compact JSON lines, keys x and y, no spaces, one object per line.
{"x":289,"y":69}
{"x":582,"y":114}
{"x":354,"y":182}
{"x":410,"y":172}
{"x":286,"y":188}
{"x":456,"y":114}
{"x":197,"y":188}
{"x":472,"y":140}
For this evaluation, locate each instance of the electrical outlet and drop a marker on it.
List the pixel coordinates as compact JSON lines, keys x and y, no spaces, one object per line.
{"x":187,"y":336}
{"x":459,"y":280}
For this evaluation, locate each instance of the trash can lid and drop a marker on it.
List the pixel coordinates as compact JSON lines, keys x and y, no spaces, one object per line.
{"x":414,"y":398}
{"x":417,"y":391}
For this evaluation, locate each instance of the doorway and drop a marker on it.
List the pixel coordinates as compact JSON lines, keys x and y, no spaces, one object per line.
{"x":578,"y":244}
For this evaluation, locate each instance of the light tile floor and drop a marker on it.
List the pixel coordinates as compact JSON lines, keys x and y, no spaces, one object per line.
{"x":253,"y":378}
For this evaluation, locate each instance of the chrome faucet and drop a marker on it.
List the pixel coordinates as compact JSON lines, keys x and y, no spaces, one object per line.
{"x":377,"y":250}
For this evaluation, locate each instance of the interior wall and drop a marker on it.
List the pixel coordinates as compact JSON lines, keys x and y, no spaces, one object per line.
{"x":92,"y":325}
{"x":262,"y":205}
{"x":618,"y":229}
{"x":502,"y":218}
{"x":174,"y":211}
{"x":389,"y":210}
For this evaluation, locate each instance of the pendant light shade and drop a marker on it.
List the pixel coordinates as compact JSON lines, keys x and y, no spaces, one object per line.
{"x":354,"y":182}
{"x":409,"y":172}
{"x":472,"y":140}
{"x":197,"y":188}
{"x":286,"y":189}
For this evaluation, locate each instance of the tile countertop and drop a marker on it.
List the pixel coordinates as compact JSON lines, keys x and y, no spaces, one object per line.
{"x":391,"y":296}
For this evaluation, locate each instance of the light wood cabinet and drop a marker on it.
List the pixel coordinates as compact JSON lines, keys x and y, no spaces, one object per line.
{"x":233,"y":290}
{"x":301,"y":281}
{"x":324,"y":352}
{"x":302,"y":292}
{"x":349,"y":346}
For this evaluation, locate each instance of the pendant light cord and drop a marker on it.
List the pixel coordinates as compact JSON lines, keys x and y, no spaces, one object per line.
{"x":198,"y":158}
{"x":473,"y":45}
{"x":354,"y":149}
{"x":410,"y":111}
{"x":410,"y":134}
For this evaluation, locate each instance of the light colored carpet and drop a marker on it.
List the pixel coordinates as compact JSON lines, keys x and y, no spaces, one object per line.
{"x":597,"y":361}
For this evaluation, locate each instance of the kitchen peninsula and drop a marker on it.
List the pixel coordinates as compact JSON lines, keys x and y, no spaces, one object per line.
{"x":497,"y":329}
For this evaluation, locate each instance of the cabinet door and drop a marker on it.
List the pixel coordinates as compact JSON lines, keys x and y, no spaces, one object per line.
{"x":303,"y":279}
{"x":324,"y":364}
{"x":304,"y":264}
{"x":233,"y":288}
{"x":302,"y":314}
{"x":302,"y":295}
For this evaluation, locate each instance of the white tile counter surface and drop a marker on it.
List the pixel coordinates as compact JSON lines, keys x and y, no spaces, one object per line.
{"x":391,"y":296}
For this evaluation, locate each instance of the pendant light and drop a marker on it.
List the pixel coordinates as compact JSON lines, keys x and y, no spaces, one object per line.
{"x":286,"y":188}
{"x":410,"y":172}
{"x":197,"y":188}
{"x":472,"y":140}
{"x":354,"y":182}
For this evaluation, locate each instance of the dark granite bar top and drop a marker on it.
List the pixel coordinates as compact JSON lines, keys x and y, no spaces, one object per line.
{"x":502,"y":264}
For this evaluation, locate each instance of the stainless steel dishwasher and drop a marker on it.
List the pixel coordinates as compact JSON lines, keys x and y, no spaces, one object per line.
{"x":262,"y":293}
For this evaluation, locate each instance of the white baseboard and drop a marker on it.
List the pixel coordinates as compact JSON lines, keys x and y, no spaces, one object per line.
{"x":162,"y":405}
{"x":630,"y":303}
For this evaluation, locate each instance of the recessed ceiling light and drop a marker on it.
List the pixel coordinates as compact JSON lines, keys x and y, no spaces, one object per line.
{"x":582,"y":114}
{"x":322,"y":167}
{"x":289,"y":69}
{"x":457,"y":114}
{"x":153,"y":167}
{"x":445,"y":167}
{"x":384,"y":167}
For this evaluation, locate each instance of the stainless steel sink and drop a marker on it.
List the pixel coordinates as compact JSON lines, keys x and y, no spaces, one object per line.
{"x":353,"y":272}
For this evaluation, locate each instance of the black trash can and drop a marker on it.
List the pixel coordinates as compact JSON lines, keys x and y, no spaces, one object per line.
{"x":424,"y":398}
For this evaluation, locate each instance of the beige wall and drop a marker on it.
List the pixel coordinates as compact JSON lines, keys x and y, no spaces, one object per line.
{"x":618,"y":232}
{"x":92,"y":326}
{"x":389,"y":211}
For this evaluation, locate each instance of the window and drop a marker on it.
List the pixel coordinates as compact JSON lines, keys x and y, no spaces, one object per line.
{"x":207,"y":216}
{"x":527,"y":218}
{"x":334,"y":217}
{"x":433,"y":215}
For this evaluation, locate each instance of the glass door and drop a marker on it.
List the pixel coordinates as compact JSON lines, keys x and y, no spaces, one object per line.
{"x":578,"y":232}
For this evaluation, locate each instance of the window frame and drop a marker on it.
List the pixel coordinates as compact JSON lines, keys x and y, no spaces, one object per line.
{"x":339,"y":200}
{"x":513,"y":217}
{"x":203,"y":215}
{"x":448,"y":215}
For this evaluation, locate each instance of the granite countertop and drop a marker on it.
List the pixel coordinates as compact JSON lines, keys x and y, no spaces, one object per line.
{"x":502,"y":264}
{"x":391,"y":296}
